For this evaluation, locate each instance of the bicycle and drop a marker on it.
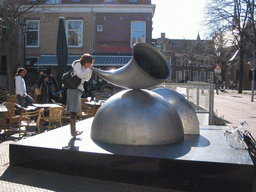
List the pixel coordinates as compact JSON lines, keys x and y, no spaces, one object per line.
{"x":242,"y":140}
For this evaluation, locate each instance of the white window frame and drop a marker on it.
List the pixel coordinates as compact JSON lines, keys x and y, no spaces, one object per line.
{"x":210,"y":77}
{"x":202,"y":78}
{"x":195,"y":75}
{"x":79,"y":31}
{"x":179,"y":77}
{"x":133,"y":39}
{"x":99,"y":28}
{"x":33,"y":30}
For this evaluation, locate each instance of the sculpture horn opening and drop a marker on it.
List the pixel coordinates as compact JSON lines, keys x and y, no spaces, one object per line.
{"x":147,"y":68}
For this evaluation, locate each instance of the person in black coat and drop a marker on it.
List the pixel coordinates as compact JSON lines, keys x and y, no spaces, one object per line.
{"x":45,"y":96}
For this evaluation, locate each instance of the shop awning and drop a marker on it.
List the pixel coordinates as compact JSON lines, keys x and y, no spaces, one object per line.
{"x":100,"y":60}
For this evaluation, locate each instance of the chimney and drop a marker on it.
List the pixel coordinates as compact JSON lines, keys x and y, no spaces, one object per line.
{"x":162,"y":35}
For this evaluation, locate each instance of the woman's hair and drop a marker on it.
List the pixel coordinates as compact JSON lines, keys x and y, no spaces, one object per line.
{"x":41,"y":80}
{"x":19,"y":70}
{"x":86,"y":58}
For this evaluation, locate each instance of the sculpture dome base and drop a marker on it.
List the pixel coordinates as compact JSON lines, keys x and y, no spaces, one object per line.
{"x":137,"y":117}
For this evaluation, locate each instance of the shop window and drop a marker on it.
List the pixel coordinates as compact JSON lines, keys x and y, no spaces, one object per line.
{"x":202,"y":76}
{"x":179,"y":76}
{"x":210,"y":77}
{"x":195,"y":75}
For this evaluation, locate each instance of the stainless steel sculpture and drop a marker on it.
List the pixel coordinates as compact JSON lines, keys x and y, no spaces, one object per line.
{"x":137,"y":117}
{"x":183,"y":107}
{"x":134,"y":116}
{"x":147,"y":68}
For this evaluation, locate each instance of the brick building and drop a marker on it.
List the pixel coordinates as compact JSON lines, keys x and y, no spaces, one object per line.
{"x":191,"y":60}
{"x":107,"y":29}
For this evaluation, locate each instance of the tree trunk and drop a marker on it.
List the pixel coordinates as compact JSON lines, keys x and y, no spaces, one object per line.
{"x":241,"y":69}
{"x":10,"y":76}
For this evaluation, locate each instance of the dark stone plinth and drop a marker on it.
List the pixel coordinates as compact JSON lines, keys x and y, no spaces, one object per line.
{"x":200,"y":162}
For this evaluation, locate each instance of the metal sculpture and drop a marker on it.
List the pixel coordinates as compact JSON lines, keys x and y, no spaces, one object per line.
{"x":135,"y":116}
{"x":147,"y":68}
{"x":183,"y":107}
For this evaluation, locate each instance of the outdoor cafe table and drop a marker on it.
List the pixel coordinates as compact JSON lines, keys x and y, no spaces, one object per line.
{"x":46,"y":105}
{"x":95,"y":105}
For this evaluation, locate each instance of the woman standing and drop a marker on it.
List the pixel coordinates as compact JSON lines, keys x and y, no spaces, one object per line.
{"x":83,"y":69}
{"x":45,"y":94}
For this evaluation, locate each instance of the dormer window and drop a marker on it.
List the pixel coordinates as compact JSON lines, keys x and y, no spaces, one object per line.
{"x":133,"y":1}
{"x":53,"y":2}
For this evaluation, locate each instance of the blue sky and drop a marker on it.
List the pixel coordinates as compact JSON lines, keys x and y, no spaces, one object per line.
{"x":179,"y":19}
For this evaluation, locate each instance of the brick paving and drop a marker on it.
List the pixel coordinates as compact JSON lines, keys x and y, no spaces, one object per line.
{"x":234,"y":108}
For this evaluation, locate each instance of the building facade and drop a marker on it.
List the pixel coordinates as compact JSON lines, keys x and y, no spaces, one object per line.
{"x":106,"y":29}
{"x":191,"y":60}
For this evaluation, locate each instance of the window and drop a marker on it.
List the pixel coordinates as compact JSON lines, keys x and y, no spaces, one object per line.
{"x":187,"y":75}
{"x":195,"y":64}
{"x":133,"y":1}
{"x":203,"y":64}
{"x":99,"y":28}
{"x":33,"y":33}
{"x":138,"y":32}
{"x":195,"y":75}
{"x":74,"y":33}
{"x":178,"y":76}
{"x":75,"y":1}
{"x":53,"y":2}
{"x":210,"y":77}
{"x":33,"y":1}
{"x":202,"y":75}
{"x":189,"y":62}
{"x":179,"y":61}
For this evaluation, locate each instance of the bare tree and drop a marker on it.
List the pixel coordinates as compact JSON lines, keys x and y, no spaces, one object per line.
{"x":231,"y":16}
{"x":10,"y":12}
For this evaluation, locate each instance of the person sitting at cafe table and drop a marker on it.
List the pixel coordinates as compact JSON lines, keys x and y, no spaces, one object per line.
{"x":20,"y":86}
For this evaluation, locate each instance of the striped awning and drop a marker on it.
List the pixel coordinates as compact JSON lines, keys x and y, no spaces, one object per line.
{"x":100,"y":60}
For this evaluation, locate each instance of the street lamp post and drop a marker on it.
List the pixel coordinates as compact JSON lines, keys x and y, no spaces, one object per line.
{"x":24,"y":30}
{"x":217,"y":74}
{"x":253,"y":75}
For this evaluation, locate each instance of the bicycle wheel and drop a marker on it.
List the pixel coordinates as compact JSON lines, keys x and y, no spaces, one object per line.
{"x":235,"y":140}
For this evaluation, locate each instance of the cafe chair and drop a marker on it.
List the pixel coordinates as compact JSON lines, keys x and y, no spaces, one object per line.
{"x":2,"y":125}
{"x":12,"y":98}
{"x":87,"y":111}
{"x":53,"y":115}
{"x":30,"y":119}
{"x":66,"y":116}
{"x":10,"y":115}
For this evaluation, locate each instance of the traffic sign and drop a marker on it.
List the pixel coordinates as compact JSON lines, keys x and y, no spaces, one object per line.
{"x":217,"y":68}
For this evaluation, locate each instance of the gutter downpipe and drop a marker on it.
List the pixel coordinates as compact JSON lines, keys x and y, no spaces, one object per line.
{"x":92,"y":30}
